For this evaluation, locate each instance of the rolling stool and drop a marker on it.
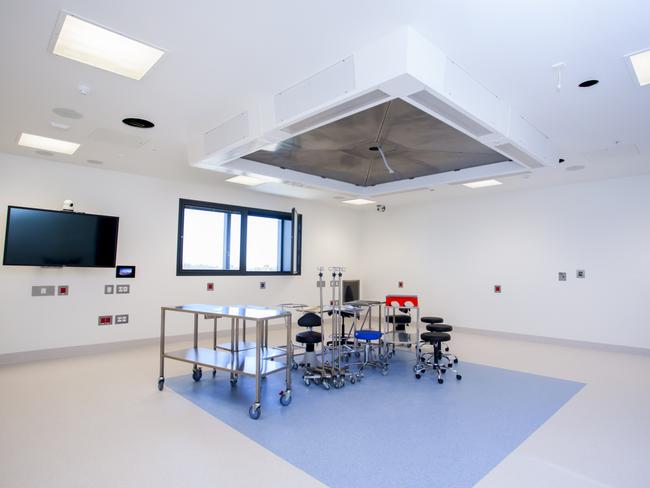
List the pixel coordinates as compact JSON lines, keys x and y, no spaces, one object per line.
{"x":432,"y":360}
{"x":309,"y":338}
{"x":369,"y":350}
{"x":435,"y":324}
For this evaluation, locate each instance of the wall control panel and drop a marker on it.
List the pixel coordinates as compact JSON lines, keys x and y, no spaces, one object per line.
{"x":123,"y":289}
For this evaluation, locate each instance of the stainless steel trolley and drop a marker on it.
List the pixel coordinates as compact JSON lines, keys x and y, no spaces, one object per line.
{"x":259,"y":360}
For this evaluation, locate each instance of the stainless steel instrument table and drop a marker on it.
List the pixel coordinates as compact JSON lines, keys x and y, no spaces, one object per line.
{"x":259,"y":361}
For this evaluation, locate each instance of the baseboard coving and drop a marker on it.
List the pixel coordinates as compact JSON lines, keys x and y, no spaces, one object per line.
{"x":556,"y":341}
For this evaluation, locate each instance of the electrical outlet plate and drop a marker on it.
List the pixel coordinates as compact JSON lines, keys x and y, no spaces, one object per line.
{"x":262,"y":285}
{"x":497,"y":288}
{"x":400,"y":284}
{"x":122,"y":319}
{"x":123,"y":289}
{"x":561,"y":276}
{"x":109,"y":289}
{"x":210,"y":287}
{"x":580,"y":273}
{"x":105,"y":320}
{"x":63,"y":290}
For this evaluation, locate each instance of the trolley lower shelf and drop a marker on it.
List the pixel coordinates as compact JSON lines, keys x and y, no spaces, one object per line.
{"x":242,"y":362}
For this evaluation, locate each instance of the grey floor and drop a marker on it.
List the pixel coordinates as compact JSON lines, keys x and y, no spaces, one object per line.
{"x":99,"y":421}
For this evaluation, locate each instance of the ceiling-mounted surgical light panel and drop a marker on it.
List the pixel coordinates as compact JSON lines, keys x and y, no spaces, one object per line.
{"x":91,"y":44}
{"x":640,"y":63}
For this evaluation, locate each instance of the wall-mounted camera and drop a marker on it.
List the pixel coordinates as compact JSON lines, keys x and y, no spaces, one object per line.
{"x":381,"y":208}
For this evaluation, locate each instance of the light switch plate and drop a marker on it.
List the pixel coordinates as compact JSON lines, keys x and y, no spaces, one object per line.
{"x":109,"y":289}
{"x":43,"y":291}
{"x":561,"y":276}
{"x":122,"y":319}
{"x":580,"y":273}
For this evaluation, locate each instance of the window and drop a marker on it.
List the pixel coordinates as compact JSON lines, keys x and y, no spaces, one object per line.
{"x":216,"y":239}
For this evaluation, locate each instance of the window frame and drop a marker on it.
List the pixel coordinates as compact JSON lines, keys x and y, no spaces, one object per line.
{"x":244,"y":212}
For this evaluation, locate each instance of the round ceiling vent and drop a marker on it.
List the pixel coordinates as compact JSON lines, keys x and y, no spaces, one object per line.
{"x":68,"y":113}
{"x":139,"y":123}
{"x":588,"y":83}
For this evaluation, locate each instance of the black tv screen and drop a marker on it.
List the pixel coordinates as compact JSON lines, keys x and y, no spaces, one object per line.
{"x":37,"y":237}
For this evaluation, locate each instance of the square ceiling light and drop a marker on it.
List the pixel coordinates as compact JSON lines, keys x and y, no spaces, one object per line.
{"x":641,"y":65}
{"x":91,"y":44}
{"x":358,"y":201}
{"x":251,"y":180}
{"x":47,"y":144}
{"x":482,"y":183}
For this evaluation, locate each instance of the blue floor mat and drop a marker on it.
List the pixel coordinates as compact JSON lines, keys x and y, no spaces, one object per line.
{"x":393,"y":430}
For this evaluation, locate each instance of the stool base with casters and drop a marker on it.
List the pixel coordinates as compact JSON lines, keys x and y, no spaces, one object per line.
{"x":432,"y":360}
{"x":372,"y":353}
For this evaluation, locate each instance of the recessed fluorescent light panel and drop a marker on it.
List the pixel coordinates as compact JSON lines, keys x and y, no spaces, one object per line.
{"x":641,"y":65}
{"x":358,"y":201}
{"x":482,"y":183}
{"x":90,"y":44}
{"x":47,"y":144}
{"x":250,"y":180}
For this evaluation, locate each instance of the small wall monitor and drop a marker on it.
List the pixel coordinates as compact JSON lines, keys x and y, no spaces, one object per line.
{"x":125,"y":272}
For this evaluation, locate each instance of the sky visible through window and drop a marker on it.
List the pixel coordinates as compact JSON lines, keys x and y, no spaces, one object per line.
{"x":262,"y":253}
{"x":204,"y":247}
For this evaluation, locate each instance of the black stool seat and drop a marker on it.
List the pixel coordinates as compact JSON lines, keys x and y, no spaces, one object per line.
{"x":309,"y":337}
{"x":343,"y":314}
{"x":399,"y":319}
{"x":432,"y":320}
{"x":439,"y":328}
{"x":432,"y":337}
{"x":310,"y":319}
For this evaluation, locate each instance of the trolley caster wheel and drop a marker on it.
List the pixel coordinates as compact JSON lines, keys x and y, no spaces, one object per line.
{"x":440,"y":381}
{"x":418,"y":376}
{"x":255,"y":411}
{"x":326,"y":384}
{"x":459,"y":377}
{"x":161,"y":384}
{"x":384,"y":371}
{"x":197,"y":374}
{"x":233,"y":380}
{"x":294,"y":366}
{"x":443,"y":370}
{"x":306,"y":381}
{"x":214,"y":373}
{"x":456,"y":361}
{"x":408,"y":346}
{"x":353,"y":380}
{"x":285,"y":398}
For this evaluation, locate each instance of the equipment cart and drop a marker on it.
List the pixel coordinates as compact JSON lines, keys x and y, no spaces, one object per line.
{"x":258,"y":361}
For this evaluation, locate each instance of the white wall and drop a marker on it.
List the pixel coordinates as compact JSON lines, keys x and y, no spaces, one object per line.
{"x":452,"y":253}
{"x":148,"y":211}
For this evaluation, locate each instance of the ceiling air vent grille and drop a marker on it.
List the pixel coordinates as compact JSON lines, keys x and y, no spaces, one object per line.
{"x":518,"y":155}
{"x":329,"y":115}
{"x":228,"y":133}
{"x":432,"y":102}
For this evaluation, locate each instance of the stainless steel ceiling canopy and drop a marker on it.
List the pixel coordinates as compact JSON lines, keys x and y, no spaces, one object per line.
{"x":415,"y":144}
{"x":435,"y":122}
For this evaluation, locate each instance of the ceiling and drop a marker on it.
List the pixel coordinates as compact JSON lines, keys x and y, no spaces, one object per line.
{"x":221,"y":56}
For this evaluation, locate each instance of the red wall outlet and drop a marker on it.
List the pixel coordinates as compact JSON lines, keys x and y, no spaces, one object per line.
{"x":210,"y":287}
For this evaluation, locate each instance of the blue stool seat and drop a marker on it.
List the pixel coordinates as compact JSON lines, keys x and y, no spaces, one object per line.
{"x":368,"y":335}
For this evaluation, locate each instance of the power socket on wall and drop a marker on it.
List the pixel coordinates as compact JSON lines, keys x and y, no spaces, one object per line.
{"x":262,"y":285}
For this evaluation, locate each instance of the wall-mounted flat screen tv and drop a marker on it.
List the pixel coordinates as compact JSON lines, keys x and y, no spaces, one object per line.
{"x":36,"y":237}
